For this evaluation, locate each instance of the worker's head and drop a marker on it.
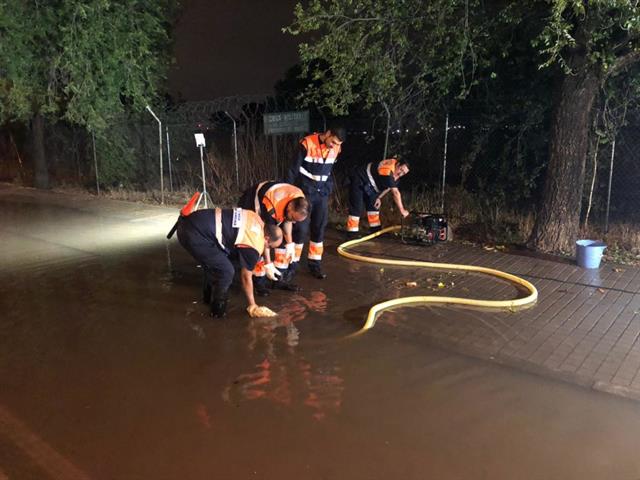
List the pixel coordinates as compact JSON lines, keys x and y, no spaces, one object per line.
{"x":402,"y":168}
{"x":297,"y":210}
{"x":272,"y":235}
{"x":334,"y":136}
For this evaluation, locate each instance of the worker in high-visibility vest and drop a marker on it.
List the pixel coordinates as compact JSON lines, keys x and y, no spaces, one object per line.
{"x":218,"y":237}
{"x":281,"y":204}
{"x":369,"y":184}
{"x":311,"y":171}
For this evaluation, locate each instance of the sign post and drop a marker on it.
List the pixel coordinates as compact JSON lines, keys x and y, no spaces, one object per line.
{"x":281,"y":123}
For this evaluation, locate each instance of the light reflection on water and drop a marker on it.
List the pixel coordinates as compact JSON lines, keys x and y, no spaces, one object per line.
{"x":285,"y":376}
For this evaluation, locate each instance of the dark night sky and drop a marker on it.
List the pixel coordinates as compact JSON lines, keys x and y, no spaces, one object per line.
{"x":228,"y":47}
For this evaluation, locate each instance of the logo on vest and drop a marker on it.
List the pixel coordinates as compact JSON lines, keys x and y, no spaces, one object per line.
{"x":237,"y":218}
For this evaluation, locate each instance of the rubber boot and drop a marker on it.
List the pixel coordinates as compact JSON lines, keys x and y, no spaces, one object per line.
{"x":315,"y":269}
{"x":219,"y":307}
{"x":353,"y":235}
{"x":285,"y":282}
{"x":206,"y":294}
{"x":375,"y":229}
{"x":260,"y":286}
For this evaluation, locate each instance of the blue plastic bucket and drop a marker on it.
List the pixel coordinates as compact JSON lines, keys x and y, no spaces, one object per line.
{"x":589,"y":253}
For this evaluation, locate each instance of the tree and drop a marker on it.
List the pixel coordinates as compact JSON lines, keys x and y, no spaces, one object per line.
{"x":417,"y":56}
{"x":592,"y":42}
{"x":84,"y":62}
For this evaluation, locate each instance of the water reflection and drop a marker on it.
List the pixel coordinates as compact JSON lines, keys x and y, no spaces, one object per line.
{"x":284,"y":376}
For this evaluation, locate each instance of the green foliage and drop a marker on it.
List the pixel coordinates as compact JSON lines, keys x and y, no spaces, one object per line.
{"x":117,"y":160}
{"x":84,"y":62}
{"x":603,"y":30}
{"x":410,"y":55}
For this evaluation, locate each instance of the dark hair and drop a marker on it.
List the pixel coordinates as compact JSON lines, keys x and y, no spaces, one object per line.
{"x":300,"y":205}
{"x":339,"y":131}
{"x":404,"y":162}
{"x":272,"y":231}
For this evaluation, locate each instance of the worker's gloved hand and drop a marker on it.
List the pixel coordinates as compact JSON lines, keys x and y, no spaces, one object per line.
{"x":272,"y":272}
{"x":291,"y":251}
{"x":256,"y":311}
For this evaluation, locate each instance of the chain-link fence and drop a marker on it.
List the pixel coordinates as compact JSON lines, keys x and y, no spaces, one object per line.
{"x":480,"y":173}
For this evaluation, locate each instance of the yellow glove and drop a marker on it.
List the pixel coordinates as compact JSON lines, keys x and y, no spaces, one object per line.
{"x":256,"y":311}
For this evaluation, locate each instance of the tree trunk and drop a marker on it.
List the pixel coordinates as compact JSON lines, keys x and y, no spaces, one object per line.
{"x":558,"y":221}
{"x":40,"y":161}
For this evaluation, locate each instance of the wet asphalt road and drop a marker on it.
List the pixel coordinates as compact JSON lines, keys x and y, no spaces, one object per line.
{"x":110,"y":368}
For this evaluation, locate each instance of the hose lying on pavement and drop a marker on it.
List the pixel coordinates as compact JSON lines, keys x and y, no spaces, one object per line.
{"x":380,"y":307}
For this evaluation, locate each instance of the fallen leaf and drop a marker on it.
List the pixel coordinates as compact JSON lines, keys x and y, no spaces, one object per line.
{"x":488,"y":249}
{"x":441,"y":285}
{"x":601,"y":290}
{"x":618,"y":269}
{"x":411,"y":284}
{"x":500,"y":247}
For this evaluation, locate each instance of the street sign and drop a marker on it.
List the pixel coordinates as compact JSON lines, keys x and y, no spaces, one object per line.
{"x":286,"y":122}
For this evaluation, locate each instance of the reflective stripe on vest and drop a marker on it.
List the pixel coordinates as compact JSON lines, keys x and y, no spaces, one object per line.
{"x":219,"y":228}
{"x":319,"y":159}
{"x":371,"y":180}
{"x":385,"y":168}
{"x":256,"y":200}
{"x":317,"y":178}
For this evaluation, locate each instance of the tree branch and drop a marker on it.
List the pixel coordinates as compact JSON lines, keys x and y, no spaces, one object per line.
{"x":624,"y":61}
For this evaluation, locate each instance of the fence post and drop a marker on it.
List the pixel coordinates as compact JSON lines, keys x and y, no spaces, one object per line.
{"x":235,"y":148}
{"x":593,"y":183}
{"x":275,"y":152}
{"x":169,"y":158}
{"x":606,"y":219}
{"x":95,"y":161}
{"x":386,"y":137}
{"x":444,"y":162}
{"x":160,"y":147}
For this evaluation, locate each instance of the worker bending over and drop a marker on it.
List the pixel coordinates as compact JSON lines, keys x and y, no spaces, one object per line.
{"x":279,"y":204}
{"x":215,"y":237}
{"x":311,"y":171}
{"x":369,"y":184}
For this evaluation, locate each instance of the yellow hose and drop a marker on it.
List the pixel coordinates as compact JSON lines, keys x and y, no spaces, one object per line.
{"x":376,"y":309}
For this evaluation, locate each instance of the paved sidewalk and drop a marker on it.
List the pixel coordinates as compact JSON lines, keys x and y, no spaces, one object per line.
{"x":584,"y":329}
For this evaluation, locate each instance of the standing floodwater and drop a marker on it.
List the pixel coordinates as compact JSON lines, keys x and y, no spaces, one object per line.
{"x":111,"y":368}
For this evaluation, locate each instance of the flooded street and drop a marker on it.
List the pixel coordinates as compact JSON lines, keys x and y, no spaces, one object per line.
{"x":111,"y":368}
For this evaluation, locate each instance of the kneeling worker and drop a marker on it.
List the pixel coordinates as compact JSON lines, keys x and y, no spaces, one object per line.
{"x":279,"y":204}
{"x":368,"y":185}
{"x":215,"y":236}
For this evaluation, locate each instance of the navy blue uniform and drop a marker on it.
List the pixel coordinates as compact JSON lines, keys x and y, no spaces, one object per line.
{"x":197,"y":234}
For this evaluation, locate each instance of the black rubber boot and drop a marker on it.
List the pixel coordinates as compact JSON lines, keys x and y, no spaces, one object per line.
{"x":316,"y":269}
{"x":219,"y":307}
{"x":260,"y":286}
{"x":375,"y":229}
{"x":206,"y":294}
{"x":353,"y":235}
{"x":285,"y":282}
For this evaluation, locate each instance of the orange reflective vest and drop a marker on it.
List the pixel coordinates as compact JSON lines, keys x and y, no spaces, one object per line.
{"x":385,"y":168}
{"x":250,"y":229}
{"x":319,"y":160}
{"x":276,"y":199}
